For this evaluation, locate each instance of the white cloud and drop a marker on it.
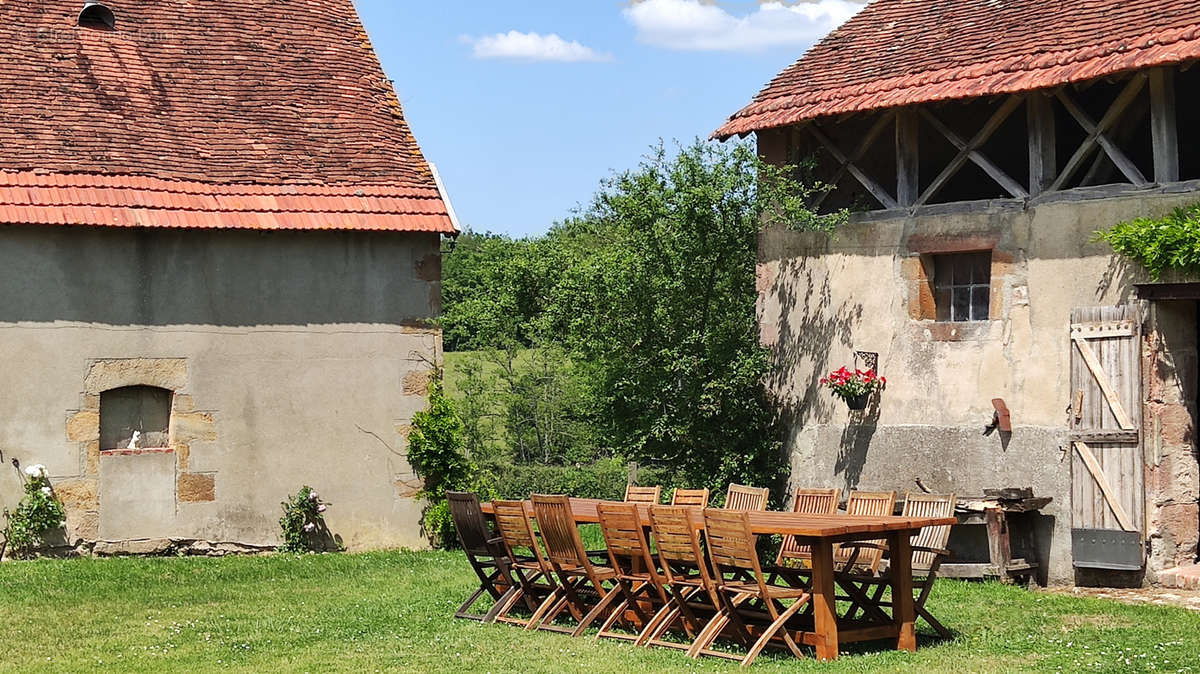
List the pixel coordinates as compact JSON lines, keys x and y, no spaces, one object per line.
{"x":702,"y":25}
{"x":517,"y":46}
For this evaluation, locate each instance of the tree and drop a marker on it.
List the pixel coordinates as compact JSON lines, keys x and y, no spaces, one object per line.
{"x":661,"y":313}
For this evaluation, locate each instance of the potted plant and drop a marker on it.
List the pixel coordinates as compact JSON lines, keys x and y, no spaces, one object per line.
{"x":854,"y":386}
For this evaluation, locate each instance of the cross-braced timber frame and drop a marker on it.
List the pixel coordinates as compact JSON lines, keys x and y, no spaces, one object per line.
{"x":1101,"y":158}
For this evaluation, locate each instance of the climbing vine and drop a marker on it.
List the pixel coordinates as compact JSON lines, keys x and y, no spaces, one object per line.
{"x":1159,"y":244}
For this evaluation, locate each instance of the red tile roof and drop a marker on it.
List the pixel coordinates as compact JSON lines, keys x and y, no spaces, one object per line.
{"x":126,"y":201}
{"x":904,"y":52}
{"x":238,"y":113}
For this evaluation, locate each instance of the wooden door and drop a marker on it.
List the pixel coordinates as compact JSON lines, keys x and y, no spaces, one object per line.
{"x":1107,"y":488}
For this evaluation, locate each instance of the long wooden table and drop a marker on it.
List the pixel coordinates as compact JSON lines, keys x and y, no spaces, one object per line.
{"x":821,"y":532}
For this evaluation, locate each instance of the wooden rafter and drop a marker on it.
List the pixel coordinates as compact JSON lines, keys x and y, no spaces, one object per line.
{"x":869,"y":183}
{"x":969,"y":150}
{"x":865,"y":144}
{"x":1097,"y":134}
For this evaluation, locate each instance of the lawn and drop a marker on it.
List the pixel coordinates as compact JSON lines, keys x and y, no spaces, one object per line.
{"x":390,"y":611}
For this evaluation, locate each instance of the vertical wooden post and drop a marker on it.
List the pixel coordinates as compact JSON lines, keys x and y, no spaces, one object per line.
{"x":1163,"y":126}
{"x":908,"y":183}
{"x":903,"y":608}
{"x":1043,"y":158}
{"x":824,"y":600}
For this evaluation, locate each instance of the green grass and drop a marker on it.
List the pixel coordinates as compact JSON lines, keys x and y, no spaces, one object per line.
{"x":391,"y":611}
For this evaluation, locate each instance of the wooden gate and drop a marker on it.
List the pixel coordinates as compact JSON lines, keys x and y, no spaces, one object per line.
{"x":1107,"y":488}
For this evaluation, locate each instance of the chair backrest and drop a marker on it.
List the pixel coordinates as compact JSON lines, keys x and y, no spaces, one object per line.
{"x":627,"y":547}
{"x":515,"y":527}
{"x":740,"y":497}
{"x":929,"y":505}
{"x":873,"y":504}
{"x":473,"y":530}
{"x":690,"y":497}
{"x":564,"y":548}
{"x":808,"y":502}
{"x":635,"y":494}
{"x":731,"y":545}
{"x":677,"y":540}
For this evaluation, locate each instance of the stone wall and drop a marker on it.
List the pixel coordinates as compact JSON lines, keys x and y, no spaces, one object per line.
{"x":866,"y":288}
{"x":294,"y":358}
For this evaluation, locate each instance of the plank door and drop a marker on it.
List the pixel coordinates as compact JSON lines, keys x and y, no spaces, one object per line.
{"x":1107,"y":488}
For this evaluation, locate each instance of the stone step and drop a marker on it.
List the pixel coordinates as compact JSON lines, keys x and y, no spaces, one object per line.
{"x":1182,"y":577}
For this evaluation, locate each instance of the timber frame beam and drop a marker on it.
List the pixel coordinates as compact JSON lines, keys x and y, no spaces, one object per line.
{"x":1101,"y":158}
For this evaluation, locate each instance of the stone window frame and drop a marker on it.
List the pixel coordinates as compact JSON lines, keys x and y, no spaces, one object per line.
{"x":945,"y":288}
{"x":917,"y":274}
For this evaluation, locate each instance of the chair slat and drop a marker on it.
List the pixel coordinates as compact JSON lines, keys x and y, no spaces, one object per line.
{"x":866,"y":503}
{"x":808,"y":502}
{"x":690,"y":497}
{"x":635,"y":494}
{"x":740,"y":497}
{"x":929,"y":505}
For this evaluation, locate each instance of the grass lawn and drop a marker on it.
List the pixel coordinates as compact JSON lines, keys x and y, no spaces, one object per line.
{"x":391,"y":611}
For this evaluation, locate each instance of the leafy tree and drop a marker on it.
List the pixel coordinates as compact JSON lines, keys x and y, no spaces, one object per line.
{"x":661,"y":313}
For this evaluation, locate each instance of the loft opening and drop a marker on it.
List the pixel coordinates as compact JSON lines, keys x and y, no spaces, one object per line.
{"x":98,"y":16}
{"x":135,"y":417}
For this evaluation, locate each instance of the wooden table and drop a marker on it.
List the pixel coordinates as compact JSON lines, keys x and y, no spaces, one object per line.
{"x":821,"y":532}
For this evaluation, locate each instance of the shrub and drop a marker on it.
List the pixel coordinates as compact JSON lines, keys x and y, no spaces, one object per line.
{"x":38,"y":513}
{"x":303,"y":523}
{"x":436,"y":453}
{"x":603,"y":479}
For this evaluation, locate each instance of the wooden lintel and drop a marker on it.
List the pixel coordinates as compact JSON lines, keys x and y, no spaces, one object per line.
{"x":1096,"y":133}
{"x":1163,"y":128}
{"x":969,"y":150}
{"x":869,"y":183}
{"x":1043,"y":159}
{"x":908,"y":183}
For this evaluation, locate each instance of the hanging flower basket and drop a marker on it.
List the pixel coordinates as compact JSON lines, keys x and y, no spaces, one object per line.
{"x":854,"y":387}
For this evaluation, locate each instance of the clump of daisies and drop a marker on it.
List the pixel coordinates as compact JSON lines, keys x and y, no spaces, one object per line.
{"x":303,"y":522}
{"x":39,"y":513}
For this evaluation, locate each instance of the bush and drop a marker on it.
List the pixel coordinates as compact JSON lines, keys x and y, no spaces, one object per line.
{"x":38,"y":513}
{"x":603,"y":479}
{"x":436,"y":453}
{"x":303,"y":523}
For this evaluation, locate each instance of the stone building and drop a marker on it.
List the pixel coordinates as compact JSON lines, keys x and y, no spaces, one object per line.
{"x":979,"y":146}
{"x":216,"y":231}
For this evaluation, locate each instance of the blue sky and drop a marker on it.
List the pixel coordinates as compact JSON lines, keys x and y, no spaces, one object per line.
{"x":524,"y":106}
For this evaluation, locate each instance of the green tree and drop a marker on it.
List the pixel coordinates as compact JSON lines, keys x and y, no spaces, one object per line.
{"x":661,"y":313}
{"x":436,"y":452}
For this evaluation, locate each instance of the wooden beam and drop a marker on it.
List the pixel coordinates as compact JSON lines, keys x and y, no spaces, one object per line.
{"x":1096,"y":133}
{"x":1163,"y":128}
{"x":1102,"y":170}
{"x":908,"y":164}
{"x":864,"y":145}
{"x":1093,"y":466}
{"x":1043,"y":156}
{"x":1110,"y":394}
{"x":873,"y":187}
{"x":970,"y":150}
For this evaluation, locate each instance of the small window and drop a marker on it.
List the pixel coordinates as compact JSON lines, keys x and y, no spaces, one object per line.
{"x":145,"y":410}
{"x":962,"y":285}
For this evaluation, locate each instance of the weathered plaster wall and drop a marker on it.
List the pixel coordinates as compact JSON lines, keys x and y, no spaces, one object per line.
{"x":296,"y":358}
{"x":824,"y":297}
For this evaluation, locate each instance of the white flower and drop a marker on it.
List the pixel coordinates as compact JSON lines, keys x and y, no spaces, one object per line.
{"x":36,"y":470}
{"x":46,"y":491}
{"x":310,"y":527}
{"x":321,"y":508}
{"x":312,"y":496}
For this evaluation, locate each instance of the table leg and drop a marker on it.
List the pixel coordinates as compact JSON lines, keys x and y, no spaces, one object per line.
{"x":824,"y":599}
{"x":903,"y":612}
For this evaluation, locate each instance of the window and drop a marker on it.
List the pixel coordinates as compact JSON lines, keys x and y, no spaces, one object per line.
{"x":962,"y":284}
{"x":144,"y":410}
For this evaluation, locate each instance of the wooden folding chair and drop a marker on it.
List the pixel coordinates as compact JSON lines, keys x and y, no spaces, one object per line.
{"x":928,"y":553}
{"x":732,"y":548}
{"x":865,"y":555}
{"x":651,"y":495}
{"x":808,"y":502}
{"x":485,"y":551}
{"x":691,"y":592}
{"x":690,"y":497}
{"x":575,"y":571}
{"x":638,"y":582}
{"x":740,"y":497}
{"x":516,"y":532}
